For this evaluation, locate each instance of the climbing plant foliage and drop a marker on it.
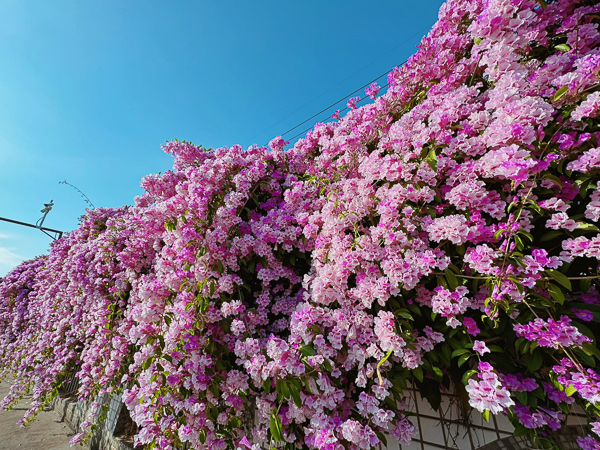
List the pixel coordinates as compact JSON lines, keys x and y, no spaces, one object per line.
{"x":443,"y":237}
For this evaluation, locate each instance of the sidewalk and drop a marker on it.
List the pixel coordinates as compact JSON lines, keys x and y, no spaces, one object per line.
{"x":46,"y":432}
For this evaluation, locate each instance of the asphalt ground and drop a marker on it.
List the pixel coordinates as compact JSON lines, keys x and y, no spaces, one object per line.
{"x":46,"y":432}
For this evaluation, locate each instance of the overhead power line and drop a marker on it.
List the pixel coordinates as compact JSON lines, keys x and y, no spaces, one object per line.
{"x":340,"y":100}
{"x":344,"y":80}
{"x":309,"y":128}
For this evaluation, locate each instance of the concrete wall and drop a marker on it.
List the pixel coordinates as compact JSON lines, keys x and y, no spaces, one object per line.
{"x":74,"y":412}
{"x":449,"y":428}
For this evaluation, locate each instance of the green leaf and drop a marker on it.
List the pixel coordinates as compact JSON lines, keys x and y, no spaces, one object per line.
{"x":415,"y":309}
{"x":431,"y":159}
{"x":418,"y":373}
{"x":563,"y":48}
{"x":591,"y":349}
{"x":584,"y":188}
{"x":212,"y":287}
{"x":437,"y":372}
{"x":404,"y":313}
{"x":560,"y":278}
{"x":463,"y":359}
{"x":562,"y":91}
{"x":285,"y":390}
{"x":477,"y":40}
{"x":570,"y":390}
{"x":519,"y":242}
{"x":147,"y":363}
{"x":279,"y":390}
{"x":516,"y":282}
{"x":460,"y":351}
{"x":452,"y":280}
{"x":551,"y":235}
{"x":587,"y":227}
{"x":442,"y":281}
{"x":382,"y":438}
{"x":551,"y":177}
{"x":295,"y":396}
{"x":534,"y":363}
{"x":467,"y":375}
{"x":520,"y":396}
{"x":306,"y":350}
{"x":266,"y":385}
{"x":520,"y":430}
{"x":584,"y":284}
{"x":486,"y":415}
{"x":275,"y":427}
{"x":556,"y":293}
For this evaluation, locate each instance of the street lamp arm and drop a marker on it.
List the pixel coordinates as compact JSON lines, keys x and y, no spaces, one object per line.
{"x":58,"y":232}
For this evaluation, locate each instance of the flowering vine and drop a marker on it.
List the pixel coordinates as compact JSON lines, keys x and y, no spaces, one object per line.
{"x":442,"y":237}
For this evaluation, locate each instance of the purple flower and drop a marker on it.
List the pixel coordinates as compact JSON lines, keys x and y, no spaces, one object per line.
{"x":583,"y":314}
{"x":471,"y":326}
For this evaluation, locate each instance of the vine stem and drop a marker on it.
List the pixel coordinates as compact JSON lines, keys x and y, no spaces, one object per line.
{"x":85,"y":197}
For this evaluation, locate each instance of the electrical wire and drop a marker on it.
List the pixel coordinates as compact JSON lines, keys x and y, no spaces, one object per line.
{"x":309,"y":128}
{"x":333,"y":87}
{"x":340,"y":100}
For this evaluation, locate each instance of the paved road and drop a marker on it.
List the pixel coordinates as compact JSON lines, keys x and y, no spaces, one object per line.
{"x":46,"y":432}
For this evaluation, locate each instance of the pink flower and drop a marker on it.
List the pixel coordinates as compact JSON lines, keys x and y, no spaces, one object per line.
{"x":590,"y":159}
{"x":587,"y":108}
{"x":454,"y":228}
{"x":488,"y":394}
{"x":373,"y":90}
{"x":480,"y":347}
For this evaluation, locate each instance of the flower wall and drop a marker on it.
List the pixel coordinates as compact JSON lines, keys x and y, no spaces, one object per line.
{"x":443,"y":237}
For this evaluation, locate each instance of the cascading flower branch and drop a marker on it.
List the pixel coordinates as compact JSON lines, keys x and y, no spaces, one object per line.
{"x":442,"y":237}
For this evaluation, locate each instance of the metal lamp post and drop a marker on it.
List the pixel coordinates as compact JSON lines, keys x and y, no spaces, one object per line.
{"x":57,"y":234}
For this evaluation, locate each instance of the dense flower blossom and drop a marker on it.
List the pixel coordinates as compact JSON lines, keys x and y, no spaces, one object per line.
{"x":588,"y":108}
{"x":487,"y":393}
{"x":519,"y":383}
{"x":313,"y":287}
{"x":556,"y":395}
{"x":588,"y":443}
{"x":587,"y":161}
{"x":537,"y":419}
{"x":551,"y":333}
{"x":585,"y":382}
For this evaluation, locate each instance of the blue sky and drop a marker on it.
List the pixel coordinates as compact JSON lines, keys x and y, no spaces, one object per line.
{"x":90,"y":90}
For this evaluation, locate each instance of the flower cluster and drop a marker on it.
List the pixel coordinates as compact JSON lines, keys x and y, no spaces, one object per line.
{"x":488,"y":394}
{"x":551,"y":333}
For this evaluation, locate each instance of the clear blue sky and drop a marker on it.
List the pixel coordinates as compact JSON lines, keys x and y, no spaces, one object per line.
{"x":90,"y":90}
